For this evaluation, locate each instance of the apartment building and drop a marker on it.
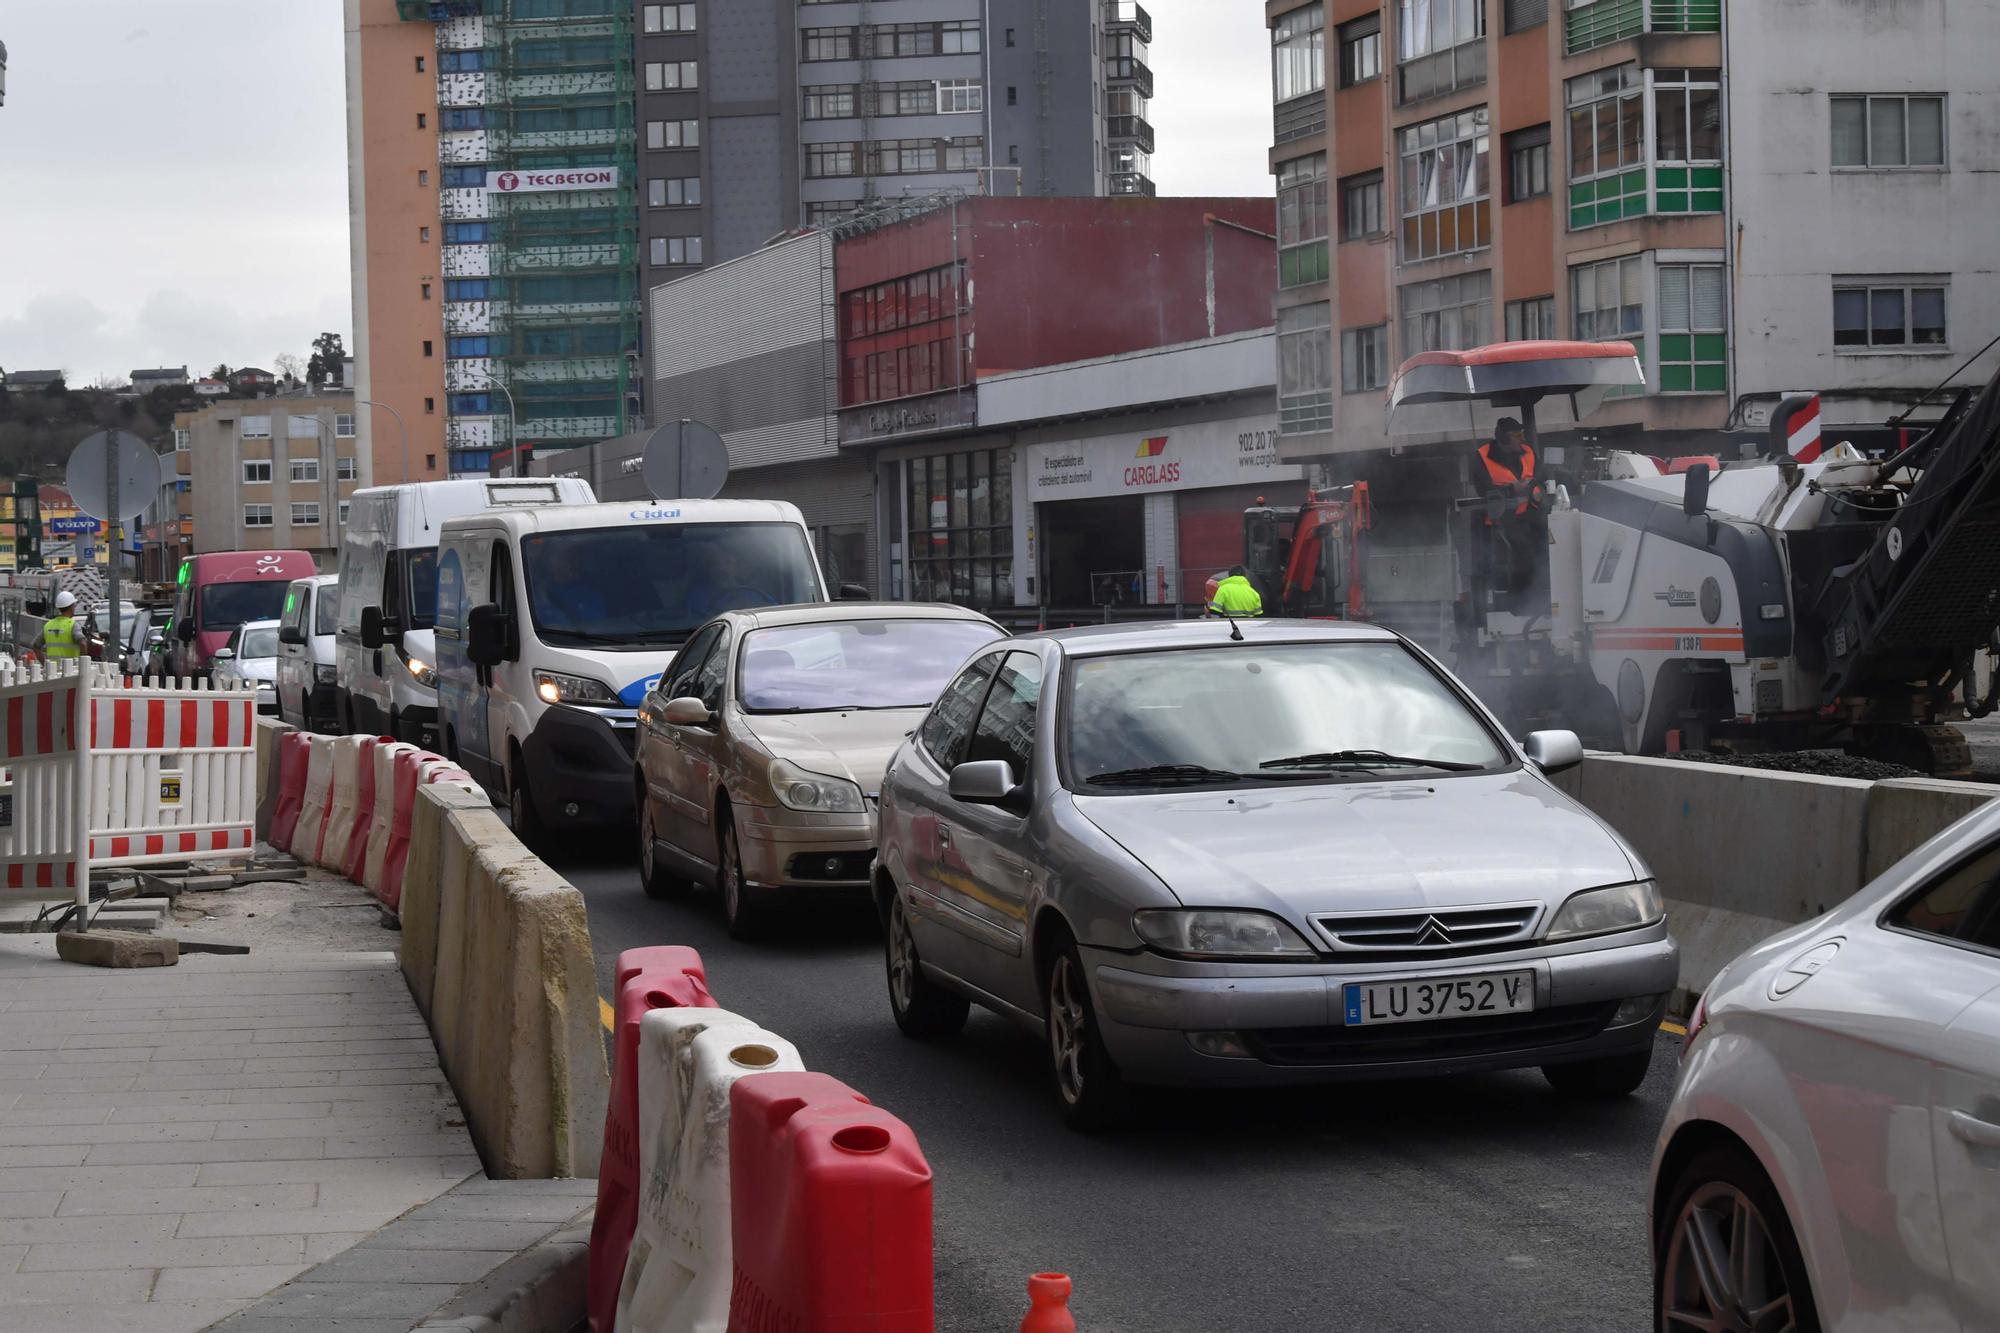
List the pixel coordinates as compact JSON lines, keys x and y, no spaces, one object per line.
{"x":271,"y":474}
{"x":1700,"y":179}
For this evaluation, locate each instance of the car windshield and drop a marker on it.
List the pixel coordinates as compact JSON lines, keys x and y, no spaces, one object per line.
{"x":1267,"y":712}
{"x":326,"y":611}
{"x":423,"y":577}
{"x":854,"y":664}
{"x":227,"y":605}
{"x":259,"y":642}
{"x":645,"y":586}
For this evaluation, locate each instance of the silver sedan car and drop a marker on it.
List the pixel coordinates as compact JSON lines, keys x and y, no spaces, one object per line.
{"x":1272,"y":852}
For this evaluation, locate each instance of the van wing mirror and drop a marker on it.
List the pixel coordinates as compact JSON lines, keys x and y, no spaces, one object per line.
{"x":291,"y":634}
{"x":1694,"y":493}
{"x":372,"y":635}
{"x":486,"y":635}
{"x":184,"y":630}
{"x":853,"y":592}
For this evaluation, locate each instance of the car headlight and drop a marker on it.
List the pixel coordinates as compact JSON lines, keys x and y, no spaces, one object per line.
{"x":426,"y":675}
{"x":1598,"y":911}
{"x":798,"y":789}
{"x":556,"y":687}
{"x":326,"y":675}
{"x":1211,"y":933}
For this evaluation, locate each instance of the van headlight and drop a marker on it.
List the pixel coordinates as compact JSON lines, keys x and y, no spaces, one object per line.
{"x":1213,"y":933}
{"x":556,"y":687}
{"x":819,"y":793}
{"x":1600,"y":911}
{"x":421,"y":671}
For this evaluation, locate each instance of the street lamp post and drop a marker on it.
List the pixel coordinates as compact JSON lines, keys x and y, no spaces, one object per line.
{"x":514,"y":468}
{"x":369,"y":402}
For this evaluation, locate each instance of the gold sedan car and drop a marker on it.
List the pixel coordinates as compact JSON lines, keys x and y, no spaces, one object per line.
{"x":762,"y":747}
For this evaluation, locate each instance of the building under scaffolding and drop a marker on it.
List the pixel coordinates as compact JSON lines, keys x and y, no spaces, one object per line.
{"x":539,"y":221}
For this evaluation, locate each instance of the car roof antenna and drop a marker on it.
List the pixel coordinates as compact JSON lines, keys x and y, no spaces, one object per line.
{"x":1235,"y":630}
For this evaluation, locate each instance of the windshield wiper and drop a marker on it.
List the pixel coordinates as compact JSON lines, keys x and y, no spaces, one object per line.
{"x":1160,"y":774}
{"x":1366,"y":759}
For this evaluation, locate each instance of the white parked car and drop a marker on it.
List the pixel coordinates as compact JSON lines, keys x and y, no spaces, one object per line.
{"x":251,"y":655}
{"x":1831,"y":1159}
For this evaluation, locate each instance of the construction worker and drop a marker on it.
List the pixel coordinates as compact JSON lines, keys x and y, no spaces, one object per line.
{"x":1510,"y":463}
{"x":1519,"y":537}
{"x":59,"y":630}
{"x":1233,"y":595}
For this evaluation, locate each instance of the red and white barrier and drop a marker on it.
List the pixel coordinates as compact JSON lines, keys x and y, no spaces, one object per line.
{"x":44,"y":809}
{"x":343,"y":796}
{"x":294,"y":752}
{"x":389,"y":801}
{"x":364,"y":812}
{"x":311,"y":832}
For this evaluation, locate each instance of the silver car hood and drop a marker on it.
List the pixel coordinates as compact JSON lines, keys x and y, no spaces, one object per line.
{"x":856,"y":745}
{"x":1367,"y":846}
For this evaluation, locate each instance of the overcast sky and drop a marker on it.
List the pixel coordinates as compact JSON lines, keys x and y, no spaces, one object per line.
{"x":173,"y":173}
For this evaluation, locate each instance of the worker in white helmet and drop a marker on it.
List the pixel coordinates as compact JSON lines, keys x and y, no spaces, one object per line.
{"x":59,"y":630}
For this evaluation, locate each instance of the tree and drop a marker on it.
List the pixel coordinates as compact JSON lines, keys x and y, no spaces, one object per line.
{"x":329,"y":361}
{"x":58,"y":387}
{"x":290,"y":365}
{"x":221,"y":371}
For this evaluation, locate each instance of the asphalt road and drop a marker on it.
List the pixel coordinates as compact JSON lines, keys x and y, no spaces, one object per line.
{"x":1480,"y":1203}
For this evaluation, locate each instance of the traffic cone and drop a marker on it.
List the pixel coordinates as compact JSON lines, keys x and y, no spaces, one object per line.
{"x":1048,"y":1305}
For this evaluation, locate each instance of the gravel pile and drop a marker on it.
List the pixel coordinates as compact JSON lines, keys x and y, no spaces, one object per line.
{"x":1819,"y":763}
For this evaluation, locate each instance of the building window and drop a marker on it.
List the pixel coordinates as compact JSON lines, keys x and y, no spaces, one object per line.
{"x":430,"y":406}
{"x":1305,"y":369}
{"x":1527,"y":164}
{"x":346,"y":469}
{"x":675,"y":250}
{"x":1889,"y":315}
{"x":423,"y":176}
{"x":827,"y":44}
{"x":1531,"y":319}
{"x":667,"y":75}
{"x":824,"y":160}
{"x":1687,"y":140}
{"x":182,"y":440}
{"x":955,"y":96}
{"x":344,"y":507}
{"x":461,"y":62}
{"x":1887,"y":132}
{"x":256,"y":516}
{"x":423,"y":121}
{"x":343,"y":425}
{"x":420,"y":64}
{"x":1445,"y":191}
{"x":305,"y":513}
{"x":1607,"y":147}
{"x":1361,"y":50}
{"x":673,"y":192}
{"x":254,"y":428}
{"x":673,"y":134}
{"x":1298,"y":53}
{"x":1364,"y":359}
{"x":1013,"y":95}
{"x":1694,"y":329}
{"x":668,"y":18}
{"x":1302,"y":223}
{"x":465,"y":233}
{"x":1447,"y":314}
{"x":305,"y":469}
{"x":1361,"y":206}
{"x":468,"y":289}
{"x":426,"y":289}
{"x":1440,"y":45}
{"x":1607,"y":300}
{"x":960,"y":527}
{"x":1524,"y":14}
{"x":831,"y":101}
{"x":465,"y":178}
{"x":427,"y":347}
{"x":423,"y":235}
{"x":256,"y":472}
{"x":465,"y":118}
{"x":888,"y":40}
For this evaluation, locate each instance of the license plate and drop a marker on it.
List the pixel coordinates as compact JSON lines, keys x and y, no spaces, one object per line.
{"x":1417,"y":1001}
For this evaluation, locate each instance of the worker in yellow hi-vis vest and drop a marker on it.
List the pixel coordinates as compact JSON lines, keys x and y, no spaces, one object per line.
{"x":59,"y":630}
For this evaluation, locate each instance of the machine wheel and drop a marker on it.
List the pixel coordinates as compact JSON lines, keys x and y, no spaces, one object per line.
{"x":1092,"y":1091}
{"x":1940,"y":751}
{"x":1726,"y":1255}
{"x":660,"y":884}
{"x":922,"y":1008}
{"x":1610,"y":1076}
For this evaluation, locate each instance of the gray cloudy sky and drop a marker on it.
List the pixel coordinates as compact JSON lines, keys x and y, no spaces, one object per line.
{"x":173,"y":184}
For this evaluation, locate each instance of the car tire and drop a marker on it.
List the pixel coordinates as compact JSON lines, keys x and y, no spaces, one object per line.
{"x":521,"y":813}
{"x":1606,"y":1077}
{"x":1089,"y":1088}
{"x":660,"y":884}
{"x":922,"y":1009}
{"x":1723,"y":1197}
{"x":743,"y":905}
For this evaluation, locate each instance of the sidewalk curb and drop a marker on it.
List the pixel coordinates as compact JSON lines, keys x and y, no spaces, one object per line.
{"x":541,"y":1290}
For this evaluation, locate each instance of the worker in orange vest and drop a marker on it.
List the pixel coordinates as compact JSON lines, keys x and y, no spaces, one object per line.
{"x":1507,"y":468}
{"x":1510,"y":463}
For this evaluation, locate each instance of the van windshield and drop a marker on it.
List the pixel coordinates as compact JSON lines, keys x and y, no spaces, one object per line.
{"x":423,"y":588}
{"x":227,"y":605}
{"x":644,"y":586}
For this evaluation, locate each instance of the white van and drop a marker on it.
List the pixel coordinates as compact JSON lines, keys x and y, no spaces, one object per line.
{"x":553,"y":623}
{"x":305,"y":653}
{"x":388,"y":594}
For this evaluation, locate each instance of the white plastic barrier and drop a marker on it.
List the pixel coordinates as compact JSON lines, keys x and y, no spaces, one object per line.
{"x":173,"y":769}
{"x":344,"y":798}
{"x":677,"y":1276}
{"x":44,"y":817}
{"x":318,"y":799}
{"x":384,"y":814}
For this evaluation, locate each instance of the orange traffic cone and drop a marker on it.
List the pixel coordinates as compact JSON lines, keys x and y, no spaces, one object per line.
{"x":1048,"y":1305}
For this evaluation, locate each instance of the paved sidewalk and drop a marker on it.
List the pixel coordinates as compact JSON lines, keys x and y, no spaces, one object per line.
{"x":176,"y":1142}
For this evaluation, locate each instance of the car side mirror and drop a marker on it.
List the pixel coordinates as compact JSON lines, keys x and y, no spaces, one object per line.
{"x":485,"y":635}
{"x":1553,"y":751}
{"x":1694,"y":491}
{"x":291,"y":634}
{"x":687,"y":711}
{"x":184,"y":631}
{"x":853,"y":592}
{"x":982,"y":782}
{"x":372,"y":635}
{"x":223,"y":655}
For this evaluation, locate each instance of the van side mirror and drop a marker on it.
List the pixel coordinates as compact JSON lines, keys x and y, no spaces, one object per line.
{"x":853,"y":592}
{"x":372,"y":635}
{"x":223,"y":655}
{"x":291,"y":634}
{"x":1553,"y":751}
{"x":1694,"y":493}
{"x":184,"y":630}
{"x":485,"y":635}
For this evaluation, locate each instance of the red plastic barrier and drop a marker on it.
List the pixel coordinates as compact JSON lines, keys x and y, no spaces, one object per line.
{"x":665,"y":977}
{"x":293,"y":750}
{"x":1048,"y":1305}
{"x":409,"y":765}
{"x":364,"y":808}
{"x":830,"y":1211}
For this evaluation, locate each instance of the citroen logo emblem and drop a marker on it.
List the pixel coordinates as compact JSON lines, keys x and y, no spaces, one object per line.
{"x":1433,"y":931}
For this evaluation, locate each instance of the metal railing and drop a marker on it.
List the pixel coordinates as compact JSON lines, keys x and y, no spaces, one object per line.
{"x":1615,"y":20}
{"x":1130,"y":129}
{"x":1129,"y":70}
{"x":1128,"y":14}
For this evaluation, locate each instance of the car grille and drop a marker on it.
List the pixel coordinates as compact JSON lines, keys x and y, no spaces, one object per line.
{"x":1447,"y":1039}
{"x":1431,"y":934}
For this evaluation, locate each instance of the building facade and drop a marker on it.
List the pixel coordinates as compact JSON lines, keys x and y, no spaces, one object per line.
{"x":272,"y":474}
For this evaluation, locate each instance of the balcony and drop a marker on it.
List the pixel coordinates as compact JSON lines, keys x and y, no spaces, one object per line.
{"x":1132,"y":182}
{"x":1129,"y":72}
{"x":1608,"y":21}
{"x":1129,"y":130}
{"x":1127,"y":15}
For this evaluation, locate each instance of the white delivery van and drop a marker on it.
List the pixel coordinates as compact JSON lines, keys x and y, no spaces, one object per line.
{"x":305,"y":653}
{"x":388,"y":594}
{"x":553,"y":623}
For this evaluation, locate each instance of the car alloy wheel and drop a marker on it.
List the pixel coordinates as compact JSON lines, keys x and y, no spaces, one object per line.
{"x":1724,"y":1272}
{"x":741,"y":905}
{"x":902,"y":959}
{"x":1069,"y":1028}
{"x":923,"y":1008}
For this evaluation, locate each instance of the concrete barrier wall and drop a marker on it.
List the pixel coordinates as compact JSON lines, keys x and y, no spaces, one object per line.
{"x":1743,"y":853}
{"x":496,"y":947}
{"x":269,"y":732}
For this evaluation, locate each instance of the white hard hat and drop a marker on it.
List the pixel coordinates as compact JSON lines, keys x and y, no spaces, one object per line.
{"x":65,"y":600}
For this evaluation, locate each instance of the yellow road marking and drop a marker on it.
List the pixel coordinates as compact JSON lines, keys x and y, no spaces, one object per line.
{"x":1674,"y":1028}
{"x":604,"y":1013}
